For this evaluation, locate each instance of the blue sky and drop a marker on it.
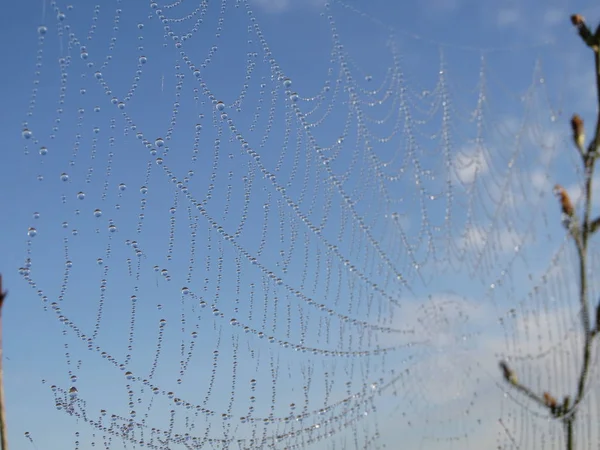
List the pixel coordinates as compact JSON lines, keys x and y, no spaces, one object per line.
{"x":250,"y":205}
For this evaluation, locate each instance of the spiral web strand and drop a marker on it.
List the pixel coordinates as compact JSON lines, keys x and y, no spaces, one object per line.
{"x":242,"y":257}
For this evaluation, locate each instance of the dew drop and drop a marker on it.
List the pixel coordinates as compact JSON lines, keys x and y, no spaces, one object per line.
{"x":97,"y":213}
{"x":220,"y":106}
{"x":159,"y":142}
{"x":31,"y":232}
{"x":80,"y":195}
{"x":112,"y":228}
{"x":43,"y":151}
{"x":98,"y":75}
{"x":294,"y":97}
{"x":143,"y":60}
{"x":64,"y":177}
{"x":122,"y":187}
{"x":36,"y":215}
{"x":144,"y":190}
{"x":287,"y":83}
{"x":42,"y":30}
{"x":27,"y":134}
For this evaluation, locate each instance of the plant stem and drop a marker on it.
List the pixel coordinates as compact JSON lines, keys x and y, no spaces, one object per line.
{"x":569,"y":434}
{"x":567,"y":412}
{"x":589,"y":161}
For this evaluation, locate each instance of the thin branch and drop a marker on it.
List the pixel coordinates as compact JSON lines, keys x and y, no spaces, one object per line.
{"x":511,"y":377}
{"x":3,"y":437}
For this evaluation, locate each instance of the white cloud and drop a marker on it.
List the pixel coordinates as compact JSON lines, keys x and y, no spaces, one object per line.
{"x":476,"y":238}
{"x":470,"y":164}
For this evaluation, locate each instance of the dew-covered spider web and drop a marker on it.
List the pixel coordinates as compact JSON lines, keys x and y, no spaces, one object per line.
{"x":253,"y":231}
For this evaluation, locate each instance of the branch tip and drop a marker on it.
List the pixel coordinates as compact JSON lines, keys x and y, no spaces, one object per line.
{"x":577,"y":20}
{"x":584,"y":32}
{"x":508,"y":373}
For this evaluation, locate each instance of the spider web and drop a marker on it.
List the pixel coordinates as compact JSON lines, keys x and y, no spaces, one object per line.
{"x":233,"y":254}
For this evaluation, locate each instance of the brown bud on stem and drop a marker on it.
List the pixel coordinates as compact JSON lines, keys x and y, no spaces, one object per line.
{"x":565,"y":201}
{"x":549,"y":400}
{"x":577,"y":20}
{"x":508,"y":374}
{"x":578,"y":131}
